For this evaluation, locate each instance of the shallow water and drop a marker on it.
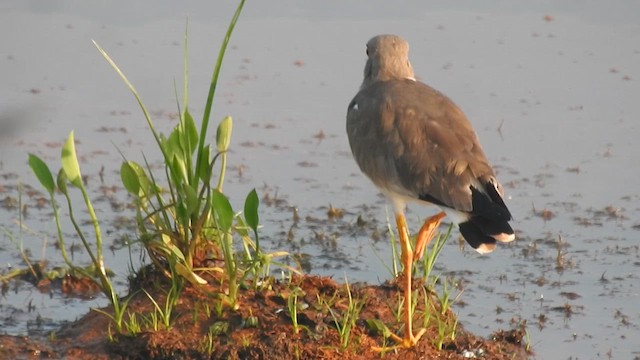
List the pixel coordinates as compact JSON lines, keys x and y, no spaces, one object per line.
{"x":550,"y":87}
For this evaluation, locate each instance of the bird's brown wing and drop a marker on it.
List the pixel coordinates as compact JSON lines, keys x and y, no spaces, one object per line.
{"x":412,"y":136}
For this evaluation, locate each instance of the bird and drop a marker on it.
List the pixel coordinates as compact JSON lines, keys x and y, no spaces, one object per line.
{"x":416,"y":145}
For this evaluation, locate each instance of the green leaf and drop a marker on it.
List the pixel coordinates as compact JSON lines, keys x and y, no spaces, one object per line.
{"x":251,"y":210}
{"x":172,"y":145}
{"x":379,"y":327}
{"x":143,"y":180}
{"x":70,"y":161}
{"x":171,"y":248}
{"x":188,"y":274}
{"x":191,"y":132}
{"x":241,"y":227}
{"x":179,"y":171}
{"x":222,"y":209}
{"x":182,"y":217}
{"x":223,"y":134}
{"x":204,"y":171}
{"x":42,"y":172}
{"x":193,"y":202}
{"x":130,"y":178}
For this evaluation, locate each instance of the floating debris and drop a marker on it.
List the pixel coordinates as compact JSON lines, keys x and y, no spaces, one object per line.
{"x":335,"y":213}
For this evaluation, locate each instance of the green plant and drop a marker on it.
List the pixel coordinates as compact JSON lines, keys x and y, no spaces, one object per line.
{"x":397,"y":309}
{"x":323,"y":302}
{"x":34,"y":270}
{"x":292,"y":307}
{"x":246,"y":340}
{"x":446,"y":329}
{"x":395,"y":254}
{"x":219,"y":308}
{"x":164,"y":313}
{"x":207,"y":309}
{"x":132,"y":326}
{"x":347,"y":321}
{"x":431,"y":256}
{"x":189,"y":219}
{"x":208,"y":343}
{"x":442,"y":328}
{"x":153,"y":320}
{"x":444,"y":299}
{"x":426,"y":312}
{"x":382,"y":329}
{"x":251,"y":321}
{"x":172,"y":222}
{"x":70,"y":174}
{"x":447,"y":322}
{"x":219,"y":328}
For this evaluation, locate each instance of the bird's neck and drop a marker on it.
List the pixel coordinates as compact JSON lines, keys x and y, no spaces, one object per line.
{"x":385,"y":70}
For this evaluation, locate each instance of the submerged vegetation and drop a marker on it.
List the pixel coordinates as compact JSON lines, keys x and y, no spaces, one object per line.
{"x":209,"y":290}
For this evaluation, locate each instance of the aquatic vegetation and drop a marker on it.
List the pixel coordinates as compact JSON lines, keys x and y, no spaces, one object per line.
{"x":70,"y":174}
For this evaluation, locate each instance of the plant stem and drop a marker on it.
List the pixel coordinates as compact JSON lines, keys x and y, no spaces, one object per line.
{"x":214,"y":81}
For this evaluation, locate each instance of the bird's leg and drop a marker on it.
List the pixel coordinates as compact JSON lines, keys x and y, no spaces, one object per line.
{"x":427,"y":232}
{"x":407,"y":261}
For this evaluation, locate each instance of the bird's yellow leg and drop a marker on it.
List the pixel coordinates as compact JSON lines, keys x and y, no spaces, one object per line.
{"x":409,"y":339}
{"x":427,"y":232}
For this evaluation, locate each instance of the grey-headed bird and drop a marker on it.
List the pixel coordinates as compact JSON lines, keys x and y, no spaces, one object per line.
{"x":416,"y":145}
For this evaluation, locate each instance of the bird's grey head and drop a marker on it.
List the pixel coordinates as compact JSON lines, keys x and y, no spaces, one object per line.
{"x":388,"y":59}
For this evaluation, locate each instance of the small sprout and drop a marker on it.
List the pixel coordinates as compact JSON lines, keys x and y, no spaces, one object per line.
{"x":378,"y":327}
{"x":252,"y":322}
{"x":218,"y":328}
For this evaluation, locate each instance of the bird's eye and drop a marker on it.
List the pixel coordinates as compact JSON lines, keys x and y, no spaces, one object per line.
{"x":367,"y":51}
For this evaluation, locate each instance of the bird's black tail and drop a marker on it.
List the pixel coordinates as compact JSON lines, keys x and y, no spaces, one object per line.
{"x":488,"y":222}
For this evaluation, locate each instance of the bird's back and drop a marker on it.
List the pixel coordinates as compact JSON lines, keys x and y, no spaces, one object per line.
{"x":416,"y":144}
{"x":407,"y":136}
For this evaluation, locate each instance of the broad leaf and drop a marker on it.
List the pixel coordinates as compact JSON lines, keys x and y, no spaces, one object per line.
{"x":170,"y":248}
{"x":143,"y":180}
{"x":42,"y":172}
{"x":179,"y":171}
{"x":222,"y":209}
{"x":251,"y":210}
{"x":173,"y":147}
{"x":129,"y":178}
{"x":189,"y":275}
{"x":190,"y":132}
{"x":193,"y":202}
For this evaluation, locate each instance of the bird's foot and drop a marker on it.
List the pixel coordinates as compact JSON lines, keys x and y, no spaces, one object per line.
{"x":406,"y":342}
{"x":426,"y":233}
